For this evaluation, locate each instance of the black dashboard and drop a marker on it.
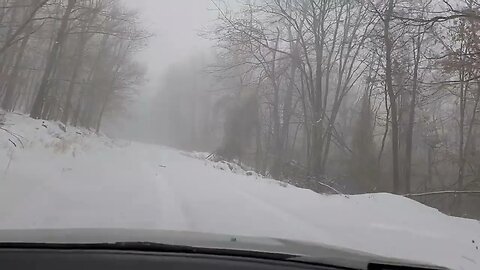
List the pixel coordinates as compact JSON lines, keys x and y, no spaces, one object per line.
{"x":77,"y":259}
{"x":122,"y":249}
{"x":20,"y":259}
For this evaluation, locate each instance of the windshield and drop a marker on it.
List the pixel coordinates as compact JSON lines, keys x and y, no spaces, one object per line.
{"x":347,"y":123}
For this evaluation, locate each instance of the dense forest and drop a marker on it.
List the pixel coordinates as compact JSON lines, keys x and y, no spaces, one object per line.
{"x":338,"y":96}
{"x":68,"y":60}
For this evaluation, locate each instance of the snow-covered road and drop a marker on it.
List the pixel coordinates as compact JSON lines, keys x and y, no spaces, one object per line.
{"x":71,"y":180}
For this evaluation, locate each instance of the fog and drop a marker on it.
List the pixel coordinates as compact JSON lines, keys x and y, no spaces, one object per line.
{"x":175,"y":28}
{"x":210,"y":93}
{"x":356,"y":96}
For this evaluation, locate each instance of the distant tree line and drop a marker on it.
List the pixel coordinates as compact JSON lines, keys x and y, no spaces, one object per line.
{"x":68,"y":60}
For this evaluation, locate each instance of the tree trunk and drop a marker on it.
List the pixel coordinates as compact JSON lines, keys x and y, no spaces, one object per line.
{"x":102,"y":111}
{"x":78,"y":64}
{"x":110,"y":90}
{"x":318,"y":110}
{"x":258,"y":143}
{"x":277,"y":148}
{"x":40,"y":99}
{"x":411,"y":115}
{"x":392,"y":97}
{"x":5,"y":57}
{"x":287,"y":111}
{"x":11,"y":39}
{"x":11,"y":85}
{"x":461,"y":129}
{"x":277,"y":140}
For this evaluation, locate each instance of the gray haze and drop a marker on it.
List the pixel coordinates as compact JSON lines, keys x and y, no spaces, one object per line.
{"x":175,"y":28}
{"x":364,"y":96}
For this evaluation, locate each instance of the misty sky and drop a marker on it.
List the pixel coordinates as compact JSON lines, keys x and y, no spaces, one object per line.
{"x":175,"y":24}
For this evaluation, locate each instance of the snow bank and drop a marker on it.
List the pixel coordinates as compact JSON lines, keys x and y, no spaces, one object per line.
{"x":75,"y":179}
{"x":223,"y":165}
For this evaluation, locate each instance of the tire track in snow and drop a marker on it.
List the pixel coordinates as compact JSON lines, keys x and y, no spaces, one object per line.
{"x":312,"y":230}
{"x":300,"y":227}
{"x":173,"y":215}
{"x":233,"y":210}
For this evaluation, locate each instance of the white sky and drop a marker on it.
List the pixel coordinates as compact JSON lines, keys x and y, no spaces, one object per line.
{"x":175,"y":24}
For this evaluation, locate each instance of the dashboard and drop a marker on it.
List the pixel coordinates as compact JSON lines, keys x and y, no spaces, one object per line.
{"x":75,"y":259}
{"x":20,"y":259}
{"x":124,"y":249}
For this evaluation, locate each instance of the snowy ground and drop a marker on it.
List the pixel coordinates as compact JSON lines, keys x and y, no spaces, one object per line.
{"x":75,"y":179}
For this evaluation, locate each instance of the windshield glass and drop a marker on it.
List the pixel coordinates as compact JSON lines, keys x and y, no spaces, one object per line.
{"x":347,"y":123}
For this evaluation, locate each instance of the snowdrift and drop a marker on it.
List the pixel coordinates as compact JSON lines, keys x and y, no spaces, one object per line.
{"x":52,"y":177}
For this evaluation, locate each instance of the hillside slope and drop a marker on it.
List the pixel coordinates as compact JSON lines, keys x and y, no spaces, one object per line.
{"x":75,"y":179}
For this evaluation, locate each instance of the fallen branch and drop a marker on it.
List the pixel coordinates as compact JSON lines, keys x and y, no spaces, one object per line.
{"x":16,"y":136}
{"x":316,"y":180}
{"x":444,"y":192}
{"x":211,"y":154}
{"x":330,"y":187}
{"x":12,"y":142}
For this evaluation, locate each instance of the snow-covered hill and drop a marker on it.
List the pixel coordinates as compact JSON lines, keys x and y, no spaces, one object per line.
{"x":50,"y":178}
